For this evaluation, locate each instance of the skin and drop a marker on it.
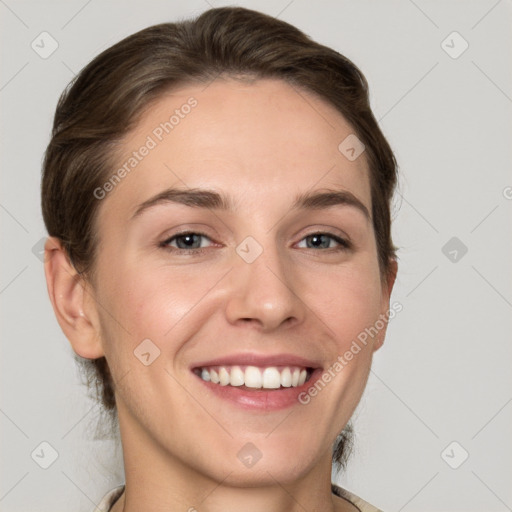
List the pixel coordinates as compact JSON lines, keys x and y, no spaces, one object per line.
{"x":262,"y":144}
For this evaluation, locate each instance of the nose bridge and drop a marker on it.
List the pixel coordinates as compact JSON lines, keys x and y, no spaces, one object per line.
{"x":263,"y":288}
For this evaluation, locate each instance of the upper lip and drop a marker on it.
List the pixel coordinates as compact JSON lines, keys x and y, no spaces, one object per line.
{"x":262,"y":360}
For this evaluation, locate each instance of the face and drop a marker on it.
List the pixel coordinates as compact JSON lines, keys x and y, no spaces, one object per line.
{"x":237,"y":273}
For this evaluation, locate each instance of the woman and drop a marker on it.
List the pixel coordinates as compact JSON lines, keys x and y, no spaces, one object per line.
{"x":217,"y":194}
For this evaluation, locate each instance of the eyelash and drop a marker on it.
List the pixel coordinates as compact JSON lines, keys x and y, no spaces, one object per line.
{"x":343,"y":244}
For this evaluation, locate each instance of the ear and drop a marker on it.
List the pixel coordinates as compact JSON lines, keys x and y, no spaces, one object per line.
{"x":72,"y":301}
{"x":387,"y":288}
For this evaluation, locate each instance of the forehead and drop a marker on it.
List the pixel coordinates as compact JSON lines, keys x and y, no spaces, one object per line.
{"x":259,"y":142}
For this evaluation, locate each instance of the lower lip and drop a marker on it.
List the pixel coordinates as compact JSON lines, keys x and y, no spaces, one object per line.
{"x":262,"y":399}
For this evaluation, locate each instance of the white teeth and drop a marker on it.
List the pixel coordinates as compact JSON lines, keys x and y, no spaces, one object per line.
{"x":223,"y":377}
{"x":286,"y":378}
{"x":237,"y":376}
{"x":271,"y":378}
{"x":214,"y":376}
{"x":254,"y":377}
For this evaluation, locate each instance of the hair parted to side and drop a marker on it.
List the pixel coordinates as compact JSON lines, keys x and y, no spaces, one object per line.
{"x":107,"y":98}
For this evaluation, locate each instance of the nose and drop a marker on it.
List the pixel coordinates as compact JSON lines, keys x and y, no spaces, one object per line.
{"x":264,"y":293}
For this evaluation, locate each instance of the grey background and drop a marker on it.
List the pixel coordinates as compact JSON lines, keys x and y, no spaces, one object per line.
{"x":443,"y":374}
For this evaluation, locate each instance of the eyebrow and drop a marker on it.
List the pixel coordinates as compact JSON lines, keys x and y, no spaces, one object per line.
{"x":201,"y":198}
{"x":319,"y":200}
{"x":193,"y":197}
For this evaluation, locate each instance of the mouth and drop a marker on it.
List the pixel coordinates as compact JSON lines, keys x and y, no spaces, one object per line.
{"x":257,"y":382}
{"x":254,"y":378}
{"x":257,"y":389}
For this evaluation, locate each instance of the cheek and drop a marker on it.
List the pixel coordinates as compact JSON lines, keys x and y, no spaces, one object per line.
{"x":349,"y":304}
{"x":154,"y":303}
{"x":347,"y":301}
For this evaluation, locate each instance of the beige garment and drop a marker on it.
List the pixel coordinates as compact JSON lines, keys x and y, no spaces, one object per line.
{"x":362,"y":505}
{"x":112,"y":496}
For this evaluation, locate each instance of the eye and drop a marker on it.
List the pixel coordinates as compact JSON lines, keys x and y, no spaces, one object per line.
{"x":324,"y":241}
{"x":186,"y":241}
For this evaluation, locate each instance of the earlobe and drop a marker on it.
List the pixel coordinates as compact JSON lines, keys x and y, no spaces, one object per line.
{"x":386,"y":294}
{"x":378,"y":343}
{"x":391,"y":277}
{"x":73,"y":309}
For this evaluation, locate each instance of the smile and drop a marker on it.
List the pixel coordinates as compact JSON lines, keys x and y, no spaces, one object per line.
{"x":254,"y":377}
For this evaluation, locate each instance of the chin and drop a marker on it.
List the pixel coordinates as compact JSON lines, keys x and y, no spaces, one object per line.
{"x":264,"y":474}
{"x":250,"y":466}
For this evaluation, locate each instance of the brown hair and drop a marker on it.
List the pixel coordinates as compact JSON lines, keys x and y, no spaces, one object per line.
{"x":106,"y":99}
